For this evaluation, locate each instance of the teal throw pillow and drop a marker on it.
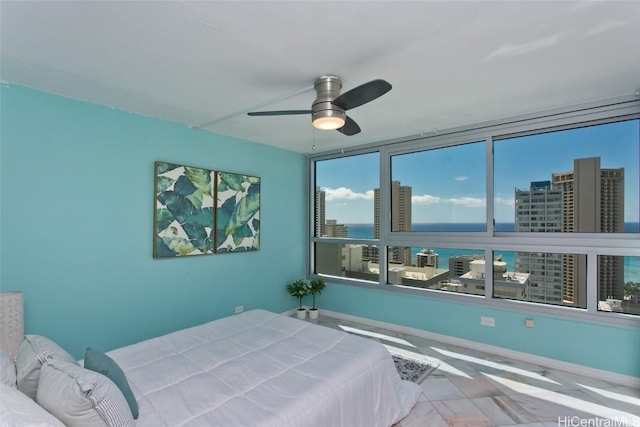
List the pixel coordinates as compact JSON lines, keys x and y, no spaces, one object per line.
{"x":103,"y":364}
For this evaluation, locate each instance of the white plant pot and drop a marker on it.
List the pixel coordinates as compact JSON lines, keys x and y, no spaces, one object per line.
{"x":301,"y":314}
{"x":313,"y":313}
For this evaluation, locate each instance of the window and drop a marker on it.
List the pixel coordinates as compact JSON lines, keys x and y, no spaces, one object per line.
{"x":344,"y":196}
{"x":561,"y":231}
{"x":582,"y":180}
{"x":344,"y":207}
{"x":353,"y":261}
{"x":541,"y":277}
{"x":439,"y":190}
{"x":441,"y":269}
{"x":619,"y":284}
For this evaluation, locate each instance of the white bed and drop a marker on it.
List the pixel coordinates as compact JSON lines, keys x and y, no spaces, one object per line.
{"x":264,"y":369}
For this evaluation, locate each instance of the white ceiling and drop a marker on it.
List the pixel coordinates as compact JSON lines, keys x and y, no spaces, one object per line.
{"x":205,"y":64}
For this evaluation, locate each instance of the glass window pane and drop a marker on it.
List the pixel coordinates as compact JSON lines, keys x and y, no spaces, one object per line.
{"x":542,"y":277}
{"x":619,"y":284}
{"x":439,"y":190}
{"x":347,"y":260}
{"x":436,"y":268}
{"x":344,"y":193}
{"x":580,"y":180}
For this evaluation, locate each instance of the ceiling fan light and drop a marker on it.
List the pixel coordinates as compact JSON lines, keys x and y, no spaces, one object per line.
{"x":327,"y":117}
{"x":328,"y":123}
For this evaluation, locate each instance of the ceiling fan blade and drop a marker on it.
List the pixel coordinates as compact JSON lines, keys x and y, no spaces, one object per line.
{"x":362,"y":94}
{"x":350,"y":127}
{"x":278,"y":113}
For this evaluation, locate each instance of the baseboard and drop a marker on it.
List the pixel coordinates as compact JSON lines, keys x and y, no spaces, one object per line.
{"x":290,"y":312}
{"x":612,"y":377}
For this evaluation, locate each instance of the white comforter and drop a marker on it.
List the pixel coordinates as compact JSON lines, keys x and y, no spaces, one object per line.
{"x":264,"y":369}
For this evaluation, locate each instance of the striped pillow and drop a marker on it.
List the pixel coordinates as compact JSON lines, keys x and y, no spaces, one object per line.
{"x":80,"y":397}
{"x":34,"y":350}
{"x":95,"y":360}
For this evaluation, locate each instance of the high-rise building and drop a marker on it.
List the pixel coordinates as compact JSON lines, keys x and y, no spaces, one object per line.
{"x":339,"y":260}
{"x":400,"y":218}
{"x":400,"y":208}
{"x":593,"y":202}
{"x":371,"y":253}
{"x":319,"y":216}
{"x":587,"y":199}
{"x":539,"y":209}
{"x":461,"y":264}
{"x":427,"y":258}
{"x":545,"y":276}
{"x":333,"y":229}
{"x":505,"y":285}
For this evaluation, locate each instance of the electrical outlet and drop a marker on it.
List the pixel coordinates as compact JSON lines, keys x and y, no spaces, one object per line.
{"x":487,"y":321}
{"x":239,"y":309}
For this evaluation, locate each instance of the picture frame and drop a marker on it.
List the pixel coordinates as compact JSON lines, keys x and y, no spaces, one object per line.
{"x":237,"y":212}
{"x":184,"y":211}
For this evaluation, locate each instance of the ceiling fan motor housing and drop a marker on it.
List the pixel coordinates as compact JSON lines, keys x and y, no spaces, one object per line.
{"x":328,"y":109}
{"x":327,"y":89}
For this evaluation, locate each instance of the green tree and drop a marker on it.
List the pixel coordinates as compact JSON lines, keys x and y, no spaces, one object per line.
{"x":631,"y":288}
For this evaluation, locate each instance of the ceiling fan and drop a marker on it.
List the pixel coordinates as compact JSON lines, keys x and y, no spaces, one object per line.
{"x":328,"y":111}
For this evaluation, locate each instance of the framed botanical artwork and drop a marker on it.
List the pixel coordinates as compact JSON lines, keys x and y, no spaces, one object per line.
{"x":237,"y":216}
{"x":184,"y":210}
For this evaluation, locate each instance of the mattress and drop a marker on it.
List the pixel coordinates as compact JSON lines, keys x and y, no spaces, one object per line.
{"x":264,"y":369}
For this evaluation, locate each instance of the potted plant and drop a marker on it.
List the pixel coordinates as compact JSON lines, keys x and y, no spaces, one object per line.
{"x":299,"y":289}
{"x":316,"y":286}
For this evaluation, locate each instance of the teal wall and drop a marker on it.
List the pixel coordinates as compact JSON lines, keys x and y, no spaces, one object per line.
{"x":77,"y":198}
{"x":76,"y":224}
{"x":600,"y":346}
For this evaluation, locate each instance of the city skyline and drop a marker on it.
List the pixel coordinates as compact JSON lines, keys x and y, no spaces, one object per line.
{"x":449,"y":184}
{"x":565,"y":203}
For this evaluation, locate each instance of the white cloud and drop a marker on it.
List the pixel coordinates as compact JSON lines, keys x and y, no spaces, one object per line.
{"x":468,"y":202}
{"x":343,"y":193}
{"x":425,"y":200}
{"x":461,"y":178}
{"x":501,"y":201}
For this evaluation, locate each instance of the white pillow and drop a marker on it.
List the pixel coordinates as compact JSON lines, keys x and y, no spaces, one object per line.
{"x":16,"y":409}
{"x":7,"y":369}
{"x":81,"y":397}
{"x":34,"y":350}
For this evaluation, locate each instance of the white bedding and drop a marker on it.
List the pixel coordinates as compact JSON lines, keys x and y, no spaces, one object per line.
{"x":264,"y":369}
{"x":19,"y":410}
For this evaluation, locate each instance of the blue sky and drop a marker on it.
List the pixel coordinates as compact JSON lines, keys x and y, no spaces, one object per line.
{"x":448,"y":185}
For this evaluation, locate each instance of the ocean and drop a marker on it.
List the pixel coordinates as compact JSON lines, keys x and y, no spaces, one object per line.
{"x":365,"y":231}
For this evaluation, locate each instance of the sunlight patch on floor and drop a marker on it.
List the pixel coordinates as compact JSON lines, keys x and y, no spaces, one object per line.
{"x":613,"y":395}
{"x":495,"y":365}
{"x":377,"y":335}
{"x":562,"y":399}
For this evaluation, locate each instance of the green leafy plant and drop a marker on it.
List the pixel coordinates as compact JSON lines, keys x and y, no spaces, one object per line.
{"x":316,"y":286}
{"x":298,"y":289}
{"x":631,"y":289}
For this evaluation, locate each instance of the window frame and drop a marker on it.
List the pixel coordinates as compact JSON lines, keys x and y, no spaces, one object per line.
{"x":590,"y":244}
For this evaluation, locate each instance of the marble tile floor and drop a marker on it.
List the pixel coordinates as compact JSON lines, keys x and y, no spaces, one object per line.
{"x":470,"y":388}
